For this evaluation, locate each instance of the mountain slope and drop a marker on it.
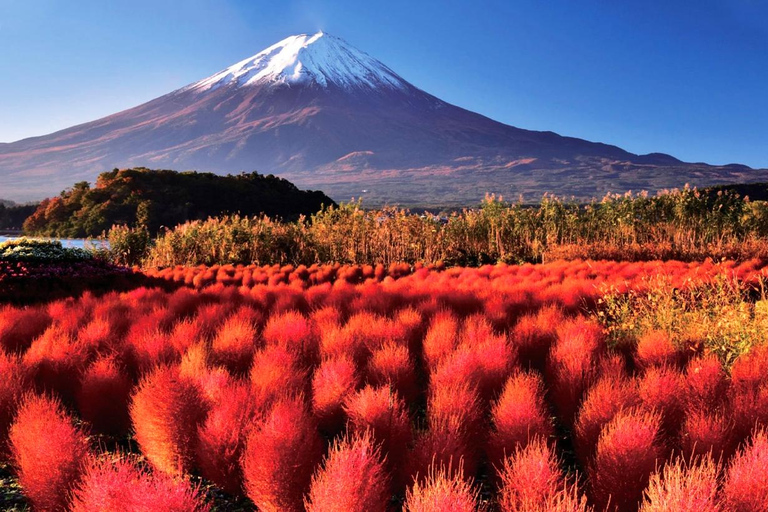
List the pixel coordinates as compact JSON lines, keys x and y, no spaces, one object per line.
{"x":325,"y":115}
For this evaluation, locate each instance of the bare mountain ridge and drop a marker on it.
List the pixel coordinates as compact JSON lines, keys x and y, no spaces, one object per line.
{"x":324,"y":115}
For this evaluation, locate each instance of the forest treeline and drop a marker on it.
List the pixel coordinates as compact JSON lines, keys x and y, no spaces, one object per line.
{"x":151,"y":199}
{"x":687,"y":224}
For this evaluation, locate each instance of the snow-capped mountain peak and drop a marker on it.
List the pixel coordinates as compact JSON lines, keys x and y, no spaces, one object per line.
{"x":320,"y":59}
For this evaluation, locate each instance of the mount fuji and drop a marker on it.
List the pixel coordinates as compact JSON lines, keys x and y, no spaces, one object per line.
{"x":319,"y":112}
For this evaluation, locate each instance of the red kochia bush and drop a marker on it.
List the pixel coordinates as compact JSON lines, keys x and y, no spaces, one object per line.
{"x":441,"y":492}
{"x":295,"y":332}
{"x":706,"y":432}
{"x":454,"y":417}
{"x":18,"y":327}
{"x":334,"y":380}
{"x":352,"y":479}
{"x":234,"y":344}
{"x":748,"y":395}
{"x":628,"y":451}
{"x":601,"y":403}
{"x":276,"y":372}
{"x":683,"y":488}
{"x":104,"y":396}
{"x":221,"y":437}
{"x":746,"y":488}
{"x":706,"y":383}
{"x":166,"y":410}
{"x":280,"y":455}
{"x":383,"y":413}
{"x":655,"y":348}
{"x":662,"y":389}
{"x":120,"y":485}
{"x":12,"y":383}
{"x":532,"y":481}
{"x":441,"y":338}
{"x":534,"y":334}
{"x":519,"y":415}
{"x":572,"y":365}
{"x":48,"y":452}
{"x":392,"y":365}
{"x":55,"y":362}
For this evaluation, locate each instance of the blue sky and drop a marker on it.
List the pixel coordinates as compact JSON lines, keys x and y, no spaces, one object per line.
{"x":689,"y":78}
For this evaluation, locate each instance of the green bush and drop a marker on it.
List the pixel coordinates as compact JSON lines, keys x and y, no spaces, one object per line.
{"x":128,"y":246}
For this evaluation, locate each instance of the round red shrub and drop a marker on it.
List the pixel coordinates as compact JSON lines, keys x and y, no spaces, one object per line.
{"x":706,"y":383}
{"x":628,"y":451}
{"x":19,"y":326}
{"x":280,"y":455}
{"x":706,"y":432}
{"x":392,"y":365}
{"x":221,"y":437}
{"x":683,"y":487}
{"x":333,"y":381}
{"x":745,"y":488}
{"x":234,"y":344}
{"x":519,"y":415}
{"x":12,"y":384}
{"x":662,"y":389}
{"x":382,"y":412}
{"x":655,"y":348}
{"x":166,"y":410}
{"x":104,"y":396}
{"x":532,"y":481}
{"x":442,"y":492}
{"x":118,"y":485}
{"x":452,"y":440}
{"x":572,"y":365}
{"x":352,"y":479}
{"x":48,"y":452}
{"x":276,"y":372}
{"x":601,"y":403}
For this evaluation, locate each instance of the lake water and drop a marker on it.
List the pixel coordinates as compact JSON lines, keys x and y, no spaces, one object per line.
{"x":66,"y":242}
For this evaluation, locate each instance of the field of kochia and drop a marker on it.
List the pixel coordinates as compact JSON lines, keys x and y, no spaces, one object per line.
{"x":567,"y":386}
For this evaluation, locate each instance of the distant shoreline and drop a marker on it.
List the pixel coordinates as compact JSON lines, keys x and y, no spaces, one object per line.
{"x":10,"y":232}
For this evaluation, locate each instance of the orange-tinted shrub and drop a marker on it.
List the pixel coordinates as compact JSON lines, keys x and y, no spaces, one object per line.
{"x":280,"y":456}
{"x":18,"y":327}
{"x":295,"y":332}
{"x":519,"y":415}
{"x":532,"y":481}
{"x":104,"y":396}
{"x":276,"y":372}
{"x":234,"y":344}
{"x":333,"y":381}
{"x":48,"y":451}
{"x":745,"y":488}
{"x":706,"y":383}
{"x":221,"y":437}
{"x":442,"y":491}
{"x":166,"y":410}
{"x":382,"y":412}
{"x":601,"y":403}
{"x":452,"y":441}
{"x":352,"y":479}
{"x":683,"y":487}
{"x":655,"y":348}
{"x":572,"y":365}
{"x":628,"y":452}
{"x":12,"y":385}
{"x":534,"y":334}
{"x":662,"y":389}
{"x":392,"y":365}
{"x":705,"y":432}
{"x":120,"y":485}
